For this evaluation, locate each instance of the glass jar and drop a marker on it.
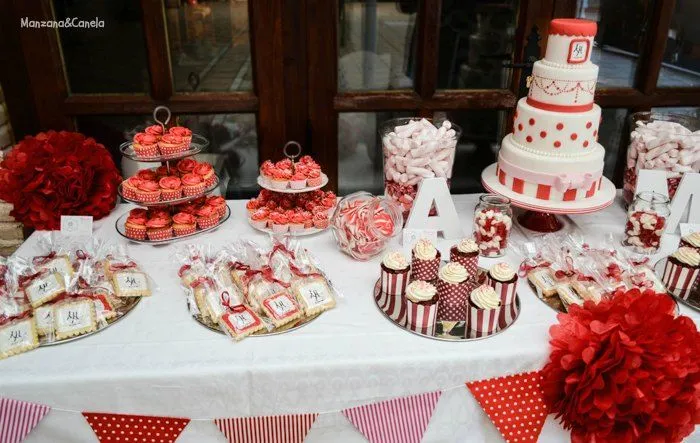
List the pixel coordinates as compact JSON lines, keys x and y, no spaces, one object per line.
{"x":363,"y":224}
{"x":493,"y":220}
{"x":661,"y":142}
{"x":646,"y":221}
{"x":414,"y":149}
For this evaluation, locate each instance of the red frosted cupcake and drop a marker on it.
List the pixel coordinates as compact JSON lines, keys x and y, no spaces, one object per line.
{"x":188,"y":208}
{"x":252,"y":205}
{"x":135,"y":225}
{"x":184,"y":224}
{"x":182,"y":132}
{"x":130,"y":186}
{"x":147,"y":174}
{"x":145,"y":145}
{"x":207,"y":217}
{"x":192,"y":184}
{"x":321,"y":220}
{"x":298,"y":180}
{"x":259,"y":218}
{"x":308,"y":219}
{"x":314,"y":178}
{"x":205,"y":171}
{"x":280,"y":178}
{"x":296,"y":222}
{"x":148,"y":192}
{"x":218,"y":203}
{"x":186,"y":165}
{"x":159,"y":228}
{"x":171,"y":144}
{"x":154,"y":130}
{"x":163,"y":171}
{"x":170,"y":188}
{"x":279,"y":222}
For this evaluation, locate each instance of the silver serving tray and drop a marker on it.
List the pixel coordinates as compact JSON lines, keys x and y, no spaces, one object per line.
{"x":119,"y":224}
{"x":197,"y":145}
{"x":208,"y":190}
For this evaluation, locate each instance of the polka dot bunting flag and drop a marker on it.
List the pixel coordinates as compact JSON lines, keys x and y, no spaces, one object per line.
{"x":514,"y":403}
{"x":120,"y":428}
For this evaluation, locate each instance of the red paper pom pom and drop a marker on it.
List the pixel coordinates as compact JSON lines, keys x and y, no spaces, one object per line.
{"x":58,"y":173}
{"x":625,"y":370}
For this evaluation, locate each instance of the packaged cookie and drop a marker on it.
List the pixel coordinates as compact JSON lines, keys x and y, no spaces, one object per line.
{"x":42,"y":287}
{"x":568,"y":296}
{"x":240,"y":321}
{"x":201,"y":290}
{"x":73,"y":317}
{"x":17,"y":335}
{"x":313,"y":294}
{"x":281,"y":308}
{"x":43,"y":317}
{"x":57,"y":263}
{"x":543,"y":280}
{"x":130,"y":283}
{"x":261,"y":286}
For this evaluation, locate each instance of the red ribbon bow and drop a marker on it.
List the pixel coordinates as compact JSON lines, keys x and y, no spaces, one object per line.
{"x":122,"y":266}
{"x":26,"y":279}
{"x":299,"y":273}
{"x":201,"y":281}
{"x":226,"y":300}
{"x":43,"y":259}
{"x":4,"y":319}
{"x":282,"y":248}
{"x":183,"y":269}
{"x":526,"y":266}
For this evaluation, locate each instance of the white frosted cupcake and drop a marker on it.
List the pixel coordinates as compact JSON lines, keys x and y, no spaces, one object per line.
{"x":682,"y":271}
{"x":691,"y":241}
{"x":503,"y":279}
{"x":395,"y":273}
{"x":466,"y":253}
{"x":425,"y":261}
{"x":421,"y":306}
{"x":483,"y":312}
{"x":453,"y":292}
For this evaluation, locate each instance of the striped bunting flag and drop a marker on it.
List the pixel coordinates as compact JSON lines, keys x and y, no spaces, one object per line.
{"x":267,"y":429}
{"x":18,"y":418}
{"x":399,"y":420}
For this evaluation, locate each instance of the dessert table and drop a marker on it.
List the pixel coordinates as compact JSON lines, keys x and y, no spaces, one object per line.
{"x":159,"y":361}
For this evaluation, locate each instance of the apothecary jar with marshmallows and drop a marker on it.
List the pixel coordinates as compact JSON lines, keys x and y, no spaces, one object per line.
{"x":414,"y":149}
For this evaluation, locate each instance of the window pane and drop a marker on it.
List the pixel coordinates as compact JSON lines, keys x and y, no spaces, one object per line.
{"x":233,"y":149}
{"x":476,"y":44}
{"x":681,"y":65}
{"x":621,"y":27}
{"x":109,"y":59}
{"x":611,"y":130}
{"x":209,"y":45}
{"x":376,"y":41}
{"x":692,"y":112}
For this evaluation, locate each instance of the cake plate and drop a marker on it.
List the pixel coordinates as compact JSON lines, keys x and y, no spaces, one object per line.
{"x":540,"y":215}
{"x":262,"y":182}
{"x":693,"y":299}
{"x":207,"y":323}
{"x":119,"y":224}
{"x":208,"y":190}
{"x":305,"y":232}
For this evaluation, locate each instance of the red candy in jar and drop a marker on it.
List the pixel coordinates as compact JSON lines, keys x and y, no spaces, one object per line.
{"x":493,"y":220}
{"x":646,"y":221}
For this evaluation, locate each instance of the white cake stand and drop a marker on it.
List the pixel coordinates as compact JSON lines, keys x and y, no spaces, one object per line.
{"x":541,"y":214}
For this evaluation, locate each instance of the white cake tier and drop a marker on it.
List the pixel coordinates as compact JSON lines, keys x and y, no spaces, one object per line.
{"x":569,"y":50}
{"x":562,"y":89}
{"x":557,"y":134}
{"x":550,"y":178}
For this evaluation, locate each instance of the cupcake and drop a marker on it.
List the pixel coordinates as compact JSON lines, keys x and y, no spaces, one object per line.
{"x":453,"y":290}
{"x":147,"y":174}
{"x":296,"y":222}
{"x":483,"y":312}
{"x":171,"y":144}
{"x":425,"y":261}
{"x":145,"y":145}
{"x":183,"y":133}
{"x":691,"y":241}
{"x":218,"y":203}
{"x":130,"y":186}
{"x":308,"y":219}
{"x":279,"y":222}
{"x":503,"y":279}
{"x":189,"y":208}
{"x":328,"y":204}
{"x":466,"y":253}
{"x":280,"y":178}
{"x":421,"y":307}
{"x":207,"y":217}
{"x":321,"y":220}
{"x":148,"y":192}
{"x":206,"y":171}
{"x":186,"y":165}
{"x":164,"y":171}
{"x":192,"y":184}
{"x":681,"y":271}
{"x":252,"y":205}
{"x":154,"y":130}
{"x":313,"y":178}
{"x":259,"y":218}
{"x":395,"y":274}
{"x":170,"y":188}
{"x":135,"y":225}
{"x":184,"y":224}
{"x":159,"y":228}
{"x":298,"y":180}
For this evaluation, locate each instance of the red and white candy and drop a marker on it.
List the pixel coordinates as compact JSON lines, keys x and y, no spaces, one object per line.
{"x":361,"y":229}
{"x":491,"y":231}
{"x":643,"y":231}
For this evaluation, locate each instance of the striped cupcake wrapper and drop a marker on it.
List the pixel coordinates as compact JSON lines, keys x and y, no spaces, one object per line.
{"x":471,"y":264}
{"x":485,"y":322}
{"x":505,"y":290}
{"x":394,"y":283}
{"x":394,"y":306}
{"x":192,"y":190}
{"x":205,"y":223}
{"x":680,"y":280}
{"x":160,"y":234}
{"x":421,"y":318}
{"x":136,"y":234}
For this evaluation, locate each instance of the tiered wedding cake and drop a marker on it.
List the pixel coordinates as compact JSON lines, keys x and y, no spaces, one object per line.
{"x":553,"y":152}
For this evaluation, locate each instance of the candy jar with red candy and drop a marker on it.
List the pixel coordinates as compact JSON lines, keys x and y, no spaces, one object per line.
{"x":646,"y":221}
{"x":493,"y":219}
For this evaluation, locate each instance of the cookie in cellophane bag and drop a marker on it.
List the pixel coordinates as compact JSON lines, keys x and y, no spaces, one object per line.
{"x":124,"y":273}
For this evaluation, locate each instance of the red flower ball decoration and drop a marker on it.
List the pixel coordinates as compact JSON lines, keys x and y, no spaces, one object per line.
{"x":58,"y":173}
{"x":625,"y":370}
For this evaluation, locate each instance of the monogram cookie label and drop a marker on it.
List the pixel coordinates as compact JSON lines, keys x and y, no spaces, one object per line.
{"x":241,"y":321}
{"x":73,"y":318}
{"x":16,"y":337}
{"x":131,"y":283}
{"x":44,"y":289}
{"x":281,"y":305}
{"x":315,"y":294}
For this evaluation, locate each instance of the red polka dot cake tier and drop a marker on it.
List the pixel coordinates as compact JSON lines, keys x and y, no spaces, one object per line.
{"x":553,"y":152}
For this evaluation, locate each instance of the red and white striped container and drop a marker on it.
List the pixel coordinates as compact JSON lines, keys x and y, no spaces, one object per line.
{"x":421,"y":317}
{"x":394,"y":283}
{"x":485,"y":322}
{"x":394,"y":306}
{"x":426,"y":270}
{"x":680,"y":280}
{"x":504,"y":290}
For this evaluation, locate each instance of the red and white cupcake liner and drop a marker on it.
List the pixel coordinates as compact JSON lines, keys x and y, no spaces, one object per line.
{"x":453,"y":307}
{"x":311,"y":182}
{"x":393,"y":306}
{"x":208,"y":181}
{"x":180,"y":231}
{"x":278,"y":228}
{"x":207,"y":222}
{"x":451,"y":311}
{"x":680,"y":280}
{"x":424,"y":269}
{"x":485,"y":322}
{"x":454,"y":294}
{"x":170,"y":194}
{"x":394,"y":283}
{"x":505,"y":290}
{"x":297,"y":184}
{"x":135,"y":233}
{"x":170,"y":150}
{"x":471,"y":264}
{"x":221,"y":210}
{"x":421,"y":318}
{"x":129,"y":192}
{"x":191,"y":190}
{"x":147,"y":197}
{"x":160,"y":234}
{"x":146,"y":152}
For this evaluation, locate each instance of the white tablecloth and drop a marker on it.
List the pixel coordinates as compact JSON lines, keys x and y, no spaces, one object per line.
{"x":160,"y":361}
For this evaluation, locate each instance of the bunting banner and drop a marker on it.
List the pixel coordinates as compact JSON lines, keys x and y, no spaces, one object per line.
{"x":399,"y":420}
{"x":18,"y":418}
{"x":266,"y":429}
{"x":126,"y":428}
{"x":514,"y":403}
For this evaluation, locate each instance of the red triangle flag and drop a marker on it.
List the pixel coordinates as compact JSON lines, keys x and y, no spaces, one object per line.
{"x":514,"y":403}
{"x":399,"y":420}
{"x":126,"y":428}
{"x":267,"y":429}
{"x":18,"y":418}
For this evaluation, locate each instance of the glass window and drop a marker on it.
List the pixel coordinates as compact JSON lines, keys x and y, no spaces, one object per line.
{"x":110,"y":59}
{"x":209,"y":45}
{"x":621,"y":26}
{"x":693,"y":112}
{"x":681,"y":66}
{"x":476,"y":44}
{"x":611,"y":130}
{"x":233,"y":149}
{"x":376,"y":44}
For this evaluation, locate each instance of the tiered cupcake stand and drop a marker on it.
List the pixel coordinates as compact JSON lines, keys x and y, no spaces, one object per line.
{"x":198,"y":144}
